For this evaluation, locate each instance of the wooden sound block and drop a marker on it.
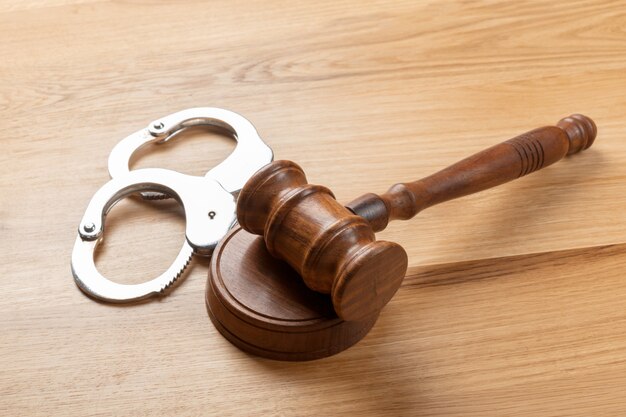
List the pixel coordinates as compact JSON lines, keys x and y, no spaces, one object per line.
{"x":261,"y":305}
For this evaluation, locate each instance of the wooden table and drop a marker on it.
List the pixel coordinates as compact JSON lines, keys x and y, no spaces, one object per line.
{"x":515,"y":302}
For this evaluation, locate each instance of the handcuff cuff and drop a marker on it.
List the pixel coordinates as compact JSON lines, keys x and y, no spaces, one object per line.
{"x":208,"y":202}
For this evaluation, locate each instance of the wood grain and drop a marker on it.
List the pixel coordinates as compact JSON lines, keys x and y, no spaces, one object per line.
{"x":486,"y":169}
{"x":262,"y":306}
{"x":515,"y":300}
{"x":333,"y":250}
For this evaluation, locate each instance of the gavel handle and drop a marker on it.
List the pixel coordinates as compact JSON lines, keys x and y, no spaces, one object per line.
{"x":494,"y":166}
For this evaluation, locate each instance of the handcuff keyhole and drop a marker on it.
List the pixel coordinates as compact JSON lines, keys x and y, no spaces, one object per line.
{"x":211,"y":215}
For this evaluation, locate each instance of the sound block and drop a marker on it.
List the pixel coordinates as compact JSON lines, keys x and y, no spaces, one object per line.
{"x":261,"y":305}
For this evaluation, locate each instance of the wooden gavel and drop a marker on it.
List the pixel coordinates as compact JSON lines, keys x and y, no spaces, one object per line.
{"x":334,"y":248}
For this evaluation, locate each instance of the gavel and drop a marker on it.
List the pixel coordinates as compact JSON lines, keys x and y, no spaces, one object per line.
{"x":334,"y":248}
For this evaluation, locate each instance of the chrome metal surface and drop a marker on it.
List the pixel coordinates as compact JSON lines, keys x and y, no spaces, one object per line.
{"x":250,"y":154}
{"x":199,"y":197}
{"x":208,"y":201}
{"x":91,"y":282}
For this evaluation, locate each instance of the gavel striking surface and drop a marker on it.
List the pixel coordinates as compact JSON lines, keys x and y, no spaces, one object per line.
{"x":261,"y":305}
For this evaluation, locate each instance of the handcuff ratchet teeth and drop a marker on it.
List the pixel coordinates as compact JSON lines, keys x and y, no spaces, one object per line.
{"x":208,"y":202}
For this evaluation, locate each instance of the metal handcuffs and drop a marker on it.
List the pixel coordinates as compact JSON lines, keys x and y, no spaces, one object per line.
{"x":208,"y":202}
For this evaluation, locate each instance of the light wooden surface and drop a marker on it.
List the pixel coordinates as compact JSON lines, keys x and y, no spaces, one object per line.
{"x":515,"y":303}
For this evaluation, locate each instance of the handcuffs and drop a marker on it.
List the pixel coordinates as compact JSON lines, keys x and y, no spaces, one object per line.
{"x":208,"y":201}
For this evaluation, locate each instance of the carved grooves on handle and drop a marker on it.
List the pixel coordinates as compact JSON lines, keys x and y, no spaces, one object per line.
{"x":530,"y":151}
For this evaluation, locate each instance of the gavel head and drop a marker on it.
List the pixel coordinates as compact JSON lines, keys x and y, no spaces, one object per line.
{"x":333,"y":250}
